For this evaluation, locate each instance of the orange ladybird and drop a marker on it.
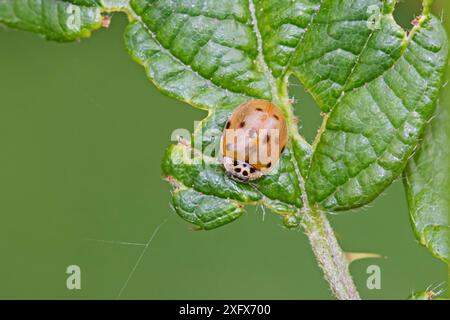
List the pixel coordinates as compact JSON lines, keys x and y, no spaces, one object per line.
{"x":253,"y":139}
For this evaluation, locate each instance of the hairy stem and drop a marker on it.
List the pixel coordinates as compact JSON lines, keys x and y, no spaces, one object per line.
{"x":329,"y":255}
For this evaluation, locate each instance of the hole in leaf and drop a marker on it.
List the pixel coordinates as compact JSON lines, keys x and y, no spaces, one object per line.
{"x":306,"y":109}
{"x":406,"y":11}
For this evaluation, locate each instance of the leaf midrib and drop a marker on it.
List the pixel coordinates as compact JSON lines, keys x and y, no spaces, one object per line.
{"x":124,"y":6}
{"x":281,"y":99}
{"x":287,"y":69}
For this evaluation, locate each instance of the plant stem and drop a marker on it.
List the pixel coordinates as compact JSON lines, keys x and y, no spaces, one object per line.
{"x":329,"y":255}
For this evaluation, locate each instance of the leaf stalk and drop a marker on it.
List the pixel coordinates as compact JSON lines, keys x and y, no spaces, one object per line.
{"x":328,"y":253}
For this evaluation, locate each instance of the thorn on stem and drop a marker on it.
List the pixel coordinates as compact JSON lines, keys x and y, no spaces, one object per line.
{"x":354,"y":256}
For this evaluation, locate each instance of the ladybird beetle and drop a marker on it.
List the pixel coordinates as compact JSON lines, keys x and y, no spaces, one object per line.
{"x":253,"y":139}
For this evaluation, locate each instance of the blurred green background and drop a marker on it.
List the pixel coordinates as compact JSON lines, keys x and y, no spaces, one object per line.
{"x":82,"y":135}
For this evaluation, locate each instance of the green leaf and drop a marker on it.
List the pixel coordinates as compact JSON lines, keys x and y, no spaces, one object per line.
{"x":85,"y":3}
{"x":278,"y":192}
{"x":207,"y":212}
{"x":205,"y":55}
{"x":210,"y":56}
{"x":375,"y":83}
{"x":427,"y":184}
{"x":378,"y":88}
{"x":53,"y":19}
{"x":283,"y":24}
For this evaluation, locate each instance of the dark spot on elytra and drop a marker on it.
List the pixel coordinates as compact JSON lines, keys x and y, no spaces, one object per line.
{"x":228,"y":125}
{"x":235,"y":163}
{"x":244,"y":173}
{"x":259,"y":109}
{"x":237,"y":170}
{"x":252,"y":170}
{"x":242,"y":124}
{"x":276,"y":117}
